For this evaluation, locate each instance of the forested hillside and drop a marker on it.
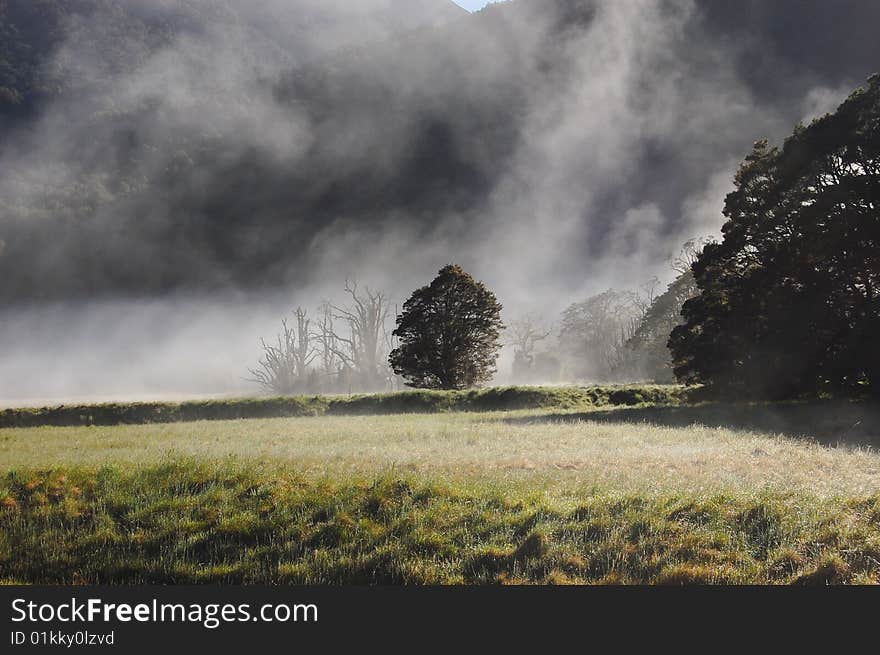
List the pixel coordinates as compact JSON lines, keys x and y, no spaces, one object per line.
{"x":151,"y":147}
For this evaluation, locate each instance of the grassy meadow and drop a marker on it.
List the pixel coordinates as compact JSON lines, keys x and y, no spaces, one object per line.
{"x":577,"y":492}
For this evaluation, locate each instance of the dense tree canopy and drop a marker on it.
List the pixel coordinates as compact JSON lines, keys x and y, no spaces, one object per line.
{"x":449,"y":333}
{"x":789,"y":301}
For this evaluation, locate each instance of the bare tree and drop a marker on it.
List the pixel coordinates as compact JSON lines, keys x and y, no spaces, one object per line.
{"x":647,"y":293}
{"x":327,"y":345}
{"x":362,"y":349}
{"x":344,"y":349}
{"x":524,"y":336}
{"x":284,"y":366}
{"x":305,"y":352}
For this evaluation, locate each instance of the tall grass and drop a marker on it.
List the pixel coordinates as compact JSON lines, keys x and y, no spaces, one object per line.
{"x":221,"y":523}
{"x":539,"y":448}
{"x":404,"y":489}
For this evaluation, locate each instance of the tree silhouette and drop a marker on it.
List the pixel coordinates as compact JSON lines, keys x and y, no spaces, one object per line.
{"x":650,"y":357}
{"x":593,"y":333}
{"x":789,"y":301}
{"x":525,"y":335}
{"x":284,"y":366}
{"x":449,"y":333}
{"x":361,"y":350}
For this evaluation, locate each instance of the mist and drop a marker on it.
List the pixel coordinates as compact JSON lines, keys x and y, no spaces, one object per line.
{"x":552,"y":149}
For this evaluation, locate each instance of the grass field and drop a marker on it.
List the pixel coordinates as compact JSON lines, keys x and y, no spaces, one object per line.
{"x":643,"y":494}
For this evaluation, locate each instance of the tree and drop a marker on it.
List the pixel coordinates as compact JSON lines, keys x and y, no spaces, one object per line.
{"x":526,"y":333}
{"x":651,"y":358}
{"x":328,"y":360}
{"x":284,"y":366}
{"x":361,"y":350}
{"x":789,"y":301}
{"x":449,"y":333}
{"x":344,"y":351}
{"x":593,"y":333}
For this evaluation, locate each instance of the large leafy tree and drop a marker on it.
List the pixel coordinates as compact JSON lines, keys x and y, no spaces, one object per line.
{"x":449,"y":333}
{"x":789,"y":300}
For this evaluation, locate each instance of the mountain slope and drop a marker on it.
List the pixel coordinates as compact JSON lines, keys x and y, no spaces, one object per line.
{"x":152,"y":147}
{"x":32,"y":31}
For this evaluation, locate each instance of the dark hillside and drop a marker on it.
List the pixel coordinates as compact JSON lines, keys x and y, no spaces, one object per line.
{"x":210,"y":145}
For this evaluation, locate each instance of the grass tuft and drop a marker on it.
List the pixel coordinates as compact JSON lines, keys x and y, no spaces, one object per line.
{"x":832,"y":569}
{"x":535,"y":546}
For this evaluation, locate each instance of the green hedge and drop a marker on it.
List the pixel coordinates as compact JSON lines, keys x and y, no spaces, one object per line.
{"x":407,"y":402}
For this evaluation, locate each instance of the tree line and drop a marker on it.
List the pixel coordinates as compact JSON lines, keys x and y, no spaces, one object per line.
{"x":447,"y":337}
{"x":449,"y":333}
{"x":786,"y":304}
{"x":789,"y":300}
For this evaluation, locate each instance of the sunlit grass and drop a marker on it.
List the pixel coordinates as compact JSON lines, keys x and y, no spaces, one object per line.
{"x":193,"y":523}
{"x":510,"y":447}
{"x":537,"y":496}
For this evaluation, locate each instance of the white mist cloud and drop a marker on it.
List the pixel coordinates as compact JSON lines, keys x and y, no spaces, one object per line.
{"x":576,"y":209}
